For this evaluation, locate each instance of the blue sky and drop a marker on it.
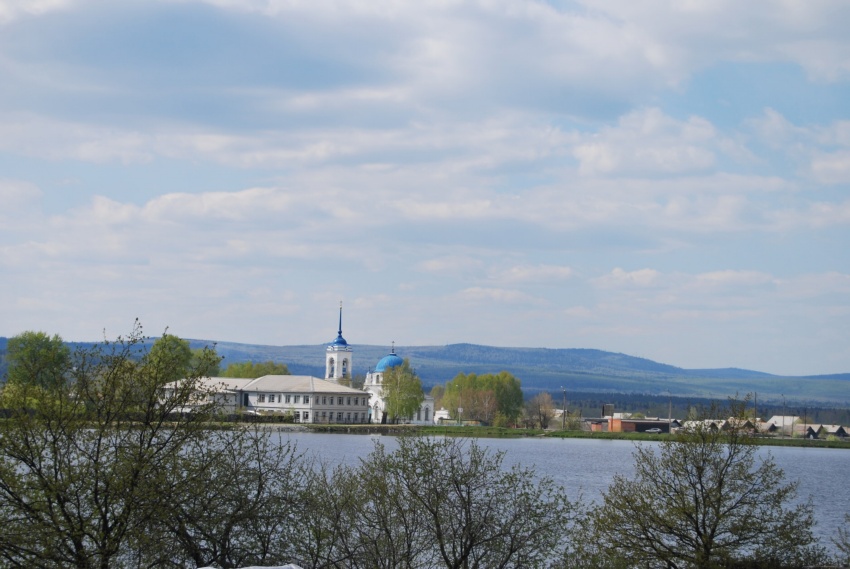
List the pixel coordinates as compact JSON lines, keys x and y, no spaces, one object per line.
{"x":665,"y":179}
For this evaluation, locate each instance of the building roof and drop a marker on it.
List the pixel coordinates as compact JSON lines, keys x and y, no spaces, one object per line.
{"x":297,"y":384}
{"x":780,"y":420}
{"x":389,"y":361}
{"x":219,"y":383}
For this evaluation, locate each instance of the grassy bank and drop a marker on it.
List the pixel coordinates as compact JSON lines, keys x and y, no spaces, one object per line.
{"x":500,"y":432}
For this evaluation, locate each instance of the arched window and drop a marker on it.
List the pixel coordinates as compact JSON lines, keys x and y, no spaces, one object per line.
{"x":345,"y":367}
{"x":331,"y":367}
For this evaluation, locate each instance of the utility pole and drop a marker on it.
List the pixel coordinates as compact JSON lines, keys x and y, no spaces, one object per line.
{"x":669,"y":413}
{"x":564,"y":414}
{"x":784,"y":412}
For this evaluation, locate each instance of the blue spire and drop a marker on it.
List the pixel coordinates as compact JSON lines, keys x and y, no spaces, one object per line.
{"x":339,"y":332}
{"x":340,"y":341}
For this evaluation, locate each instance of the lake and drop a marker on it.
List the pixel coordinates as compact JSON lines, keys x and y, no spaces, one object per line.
{"x":587,"y":466}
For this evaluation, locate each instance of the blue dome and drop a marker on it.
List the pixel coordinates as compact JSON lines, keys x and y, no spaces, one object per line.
{"x":340,"y":341}
{"x":389,"y":361}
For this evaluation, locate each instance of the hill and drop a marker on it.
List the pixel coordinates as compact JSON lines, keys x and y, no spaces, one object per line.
{"x":577,"y":370}
{"x":544,"y":369}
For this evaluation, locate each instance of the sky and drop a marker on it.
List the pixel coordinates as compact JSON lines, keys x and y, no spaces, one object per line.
{"x":669,"y":179}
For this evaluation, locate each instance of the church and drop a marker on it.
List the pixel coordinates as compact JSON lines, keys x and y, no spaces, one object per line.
{"x":311,"y":399}
{"x":338,"y":365}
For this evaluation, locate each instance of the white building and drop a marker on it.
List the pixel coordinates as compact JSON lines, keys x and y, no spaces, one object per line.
{"x":310,"y":399}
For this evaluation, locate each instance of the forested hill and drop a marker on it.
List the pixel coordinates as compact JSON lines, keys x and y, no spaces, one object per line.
{"x":583,"y":370}
{"x":576,"y":370}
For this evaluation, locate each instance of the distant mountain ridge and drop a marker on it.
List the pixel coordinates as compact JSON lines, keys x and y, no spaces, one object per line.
{"x":551,"y":369}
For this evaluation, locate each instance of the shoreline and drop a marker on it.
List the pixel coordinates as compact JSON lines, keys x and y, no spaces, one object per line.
{"x":500,"y":432}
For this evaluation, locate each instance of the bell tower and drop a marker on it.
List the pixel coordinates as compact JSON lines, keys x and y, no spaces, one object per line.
{"x":338,"y":356}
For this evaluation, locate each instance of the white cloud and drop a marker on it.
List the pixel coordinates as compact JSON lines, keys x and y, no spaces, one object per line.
{"x":42,"y":137}
{"x":497,"y":295}
{"x":534,"y":274}
{"x":727,"y":279}
{"x":810,"y":34}
{"x":11,"y":10}
{"x":648,"y":142}
{"x":450,"y":264}
{"x":619,"y":278}
{"x":19,"y":200}
{"x":832,"y":167}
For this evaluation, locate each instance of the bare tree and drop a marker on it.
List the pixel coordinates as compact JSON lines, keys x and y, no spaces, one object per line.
{"x":471,"y":512}
{"x":703,"y":499}
{"x":540,"y":410}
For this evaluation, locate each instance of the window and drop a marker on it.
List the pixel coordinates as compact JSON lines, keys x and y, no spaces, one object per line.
{"x":306,"y":399}
{"x":426,"y":413}
{"x":298,"y":399}
{"x":287,"y":398}
{"x":348,"y":401}
{"x":297,"y":417}
{"x":261,"y":398}
{"x":348,"y":417}
{"x":355,"y":416}
{"x":419,"y":414}
{"x":324,"y":415}
{"x":306,"y":416}
{"x":324,"y":400}
{"x":339,"y":400}
{"x":339,"y":416}
{"x":356,"y":399}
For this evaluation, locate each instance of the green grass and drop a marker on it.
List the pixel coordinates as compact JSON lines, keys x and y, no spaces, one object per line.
{"x":501,"y":432}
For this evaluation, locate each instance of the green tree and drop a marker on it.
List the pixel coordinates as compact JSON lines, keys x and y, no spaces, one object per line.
{"x":198,"y":355}
{"x":437,"y":393}
{"x":358,"y":381}
{"x":484,"y":397}
{"x":173,"y":356}
{"x":94,"y":470}
{"x":703,"y":499}
{"x":402,"y":392}
{"x":37,"y":359}
{"x":252,"y":370}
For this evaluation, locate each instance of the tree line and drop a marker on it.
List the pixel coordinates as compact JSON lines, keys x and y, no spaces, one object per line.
{"x":100,"y":467}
